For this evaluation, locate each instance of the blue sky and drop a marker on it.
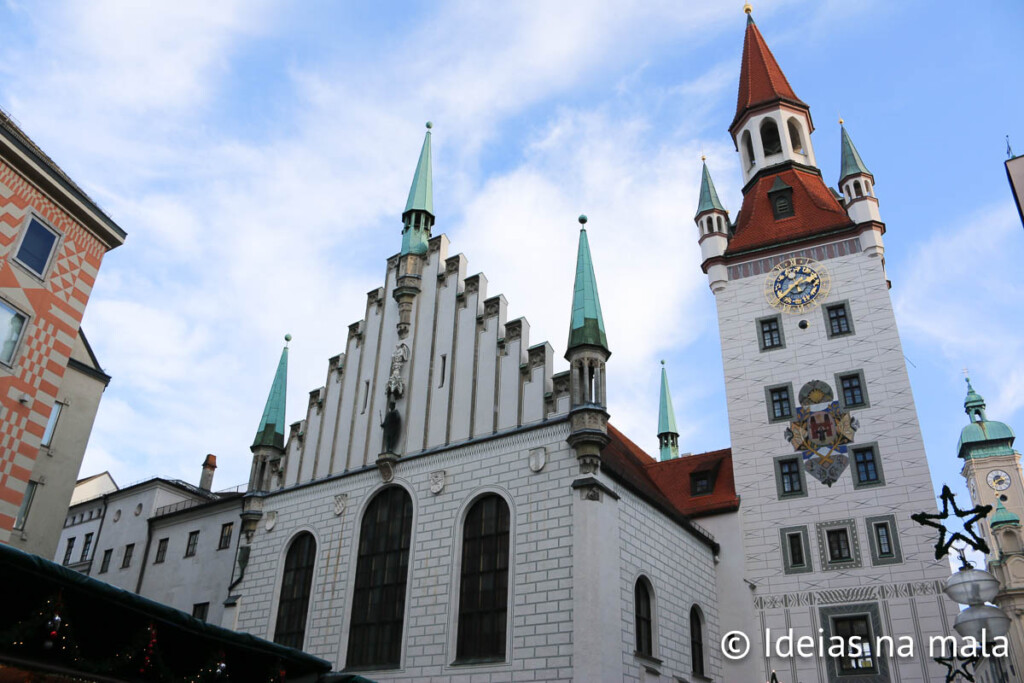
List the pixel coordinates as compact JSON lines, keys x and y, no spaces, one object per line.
{"x":259,"y":156}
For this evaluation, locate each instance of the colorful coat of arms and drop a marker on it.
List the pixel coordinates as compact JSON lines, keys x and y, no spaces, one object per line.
{"x":820,"y":432}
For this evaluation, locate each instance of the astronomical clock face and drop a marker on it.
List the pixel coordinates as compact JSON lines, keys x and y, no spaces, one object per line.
{"x":998,"y":480}
{"x":796,"y":285}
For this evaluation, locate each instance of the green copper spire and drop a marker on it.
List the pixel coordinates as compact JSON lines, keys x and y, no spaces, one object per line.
{"x":709,"y":200}
{"x":668,"y":435}
{"x":271,"y":431}
{"x":587,"y":325}
{"x":421,"y":194}
{"x":974,"y":404}
{"x":1002,"y":516}
{"x":852,"y":164}
{"x":982,"y":438}
{"x":418,"y":217}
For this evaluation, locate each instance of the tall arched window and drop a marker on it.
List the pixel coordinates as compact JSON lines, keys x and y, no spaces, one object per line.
{"x":483,"y":593}
{"x":856,"y":188}
{"x":696,"y":641}
{"x":378,"y":603}
{"x":770,"y":142}
{"x":644,"y":621}
{"x":295,"y":585}
{"x":794,"y":136}
{"x":748,"y":147}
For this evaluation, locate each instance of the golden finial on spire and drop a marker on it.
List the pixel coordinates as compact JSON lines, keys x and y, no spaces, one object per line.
{"x":840,"y":120}
{"x":703,"y":157}
{"x":747,"y":9}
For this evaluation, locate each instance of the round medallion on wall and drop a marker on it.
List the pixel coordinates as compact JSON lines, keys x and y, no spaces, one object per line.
{"x":998,"y":480}
{"x":797,"y":284}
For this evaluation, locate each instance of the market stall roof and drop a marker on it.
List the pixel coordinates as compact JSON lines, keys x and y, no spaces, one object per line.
{"x":114,"y":634}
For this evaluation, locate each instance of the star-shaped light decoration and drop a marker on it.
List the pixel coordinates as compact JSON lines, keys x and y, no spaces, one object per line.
{"x":956,"y":666}
{"x":946,"y":538}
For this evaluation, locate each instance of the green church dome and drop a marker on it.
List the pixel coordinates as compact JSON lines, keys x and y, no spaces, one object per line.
{"x":983,"y":437}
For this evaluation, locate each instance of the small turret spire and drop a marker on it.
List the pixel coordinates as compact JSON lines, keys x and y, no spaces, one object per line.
{"x":586,"y":328}
{"x":852,"y":163}
{"x":709,"y":200}
{"x":668,"y":434}
{"x":418,"y":217}
{"x":974,"y":404}
{"x":271,"y":430}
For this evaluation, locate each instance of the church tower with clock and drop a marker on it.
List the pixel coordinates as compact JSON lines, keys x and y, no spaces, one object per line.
{"x":827,"y":450}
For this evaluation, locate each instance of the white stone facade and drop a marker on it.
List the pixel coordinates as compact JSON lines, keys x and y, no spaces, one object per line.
{"x":906,"y":594}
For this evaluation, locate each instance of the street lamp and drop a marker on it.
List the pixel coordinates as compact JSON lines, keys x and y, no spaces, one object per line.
{"x":974,"y":587}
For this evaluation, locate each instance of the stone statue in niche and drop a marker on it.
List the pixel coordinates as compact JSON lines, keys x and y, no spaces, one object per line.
{"x":391,"y":423}
{"x":395,"y":388}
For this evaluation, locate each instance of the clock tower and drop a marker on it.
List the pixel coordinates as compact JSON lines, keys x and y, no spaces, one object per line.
{"x":993,"y":473}
{"x":827,"y":450}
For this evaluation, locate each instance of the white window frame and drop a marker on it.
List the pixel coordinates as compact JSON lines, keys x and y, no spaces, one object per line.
{"x":9,"y":362}
{"x":54,"y":250}
{"x":51,"y":423}
{"x":26,"y":506}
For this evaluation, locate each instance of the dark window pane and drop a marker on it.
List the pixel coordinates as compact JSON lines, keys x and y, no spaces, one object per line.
{"x":295,"y":586}
{"x":780,"y":403}
{"x":789,"y":470}
{"x":483,"y":596}
{"x":35,"y":249}
{"x":378,"y":603}
{"x":796,"y":550}
{"x":839,"y":545}
{"x":644,"y":641}
{"x":161,"y":551}
{"x":770,"y":337}
{"x":696,"y":642}
{"x":848,"y":627}
{"x":837,"y":320}
{"x":852,"y":393}
{"x":884,"y":542}
{"x":867,"y":470}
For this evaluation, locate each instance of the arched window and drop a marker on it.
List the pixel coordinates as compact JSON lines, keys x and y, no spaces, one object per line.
{"x":719,"y":219}
{"x":794,"y":136}
{"x":378,"y":603}
{"x":295,"y":585}
{"x":483,"y":593}
{"x":748,"y":147}
{"x":644,"y":620}
{"x":696,"y":641}
{"x":867,"y":187}
{"x":770,"y":142}
{"x":856,"y":188}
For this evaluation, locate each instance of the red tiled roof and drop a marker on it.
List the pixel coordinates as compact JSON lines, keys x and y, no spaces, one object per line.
{"x":673,"y":477}
{"x":761,"y":79}
{"x":815,"y":211}
{"x":668,"y":483}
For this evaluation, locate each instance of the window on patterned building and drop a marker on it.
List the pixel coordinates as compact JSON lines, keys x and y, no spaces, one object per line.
{"x":838,"y":320}
{"x":26,"y":505}
{"x":12,"y":325}
{"x":483,"y":592}
{"x":296,"y":584}
{"x":378,"y":601}
{"x":790,"y":481}
{"x":37,"y":247}
{"x":838,"y":545}
{"x":770,"y":333}
{"x":644,"y":618}
{"x":51,"y":424}
{"x":846,"y":628}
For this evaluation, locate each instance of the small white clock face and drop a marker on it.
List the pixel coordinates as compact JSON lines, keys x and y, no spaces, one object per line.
{"x":998,"y":480}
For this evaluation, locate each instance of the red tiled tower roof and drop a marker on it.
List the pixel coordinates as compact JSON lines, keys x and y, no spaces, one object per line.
{"x":815,"y":211}
{"x":761,"y":79}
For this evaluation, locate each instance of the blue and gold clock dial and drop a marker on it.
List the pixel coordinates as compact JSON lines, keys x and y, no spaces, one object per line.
{"x":796,"y":285}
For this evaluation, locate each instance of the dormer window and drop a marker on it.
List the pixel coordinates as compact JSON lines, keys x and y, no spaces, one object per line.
{"x":781,"y":198}
{"x":700,"y":483}
{"x":770,"y":141}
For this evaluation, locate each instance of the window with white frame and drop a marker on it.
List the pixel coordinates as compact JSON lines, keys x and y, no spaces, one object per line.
{"x":12,"y":326}
{"x":37,"y":246}
{"x":51,"y":423}
{"x":26,"y":505}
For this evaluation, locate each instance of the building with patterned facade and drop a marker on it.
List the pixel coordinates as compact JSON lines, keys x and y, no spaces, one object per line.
{"x":52,"y":241}
{"x":455,"y":504}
